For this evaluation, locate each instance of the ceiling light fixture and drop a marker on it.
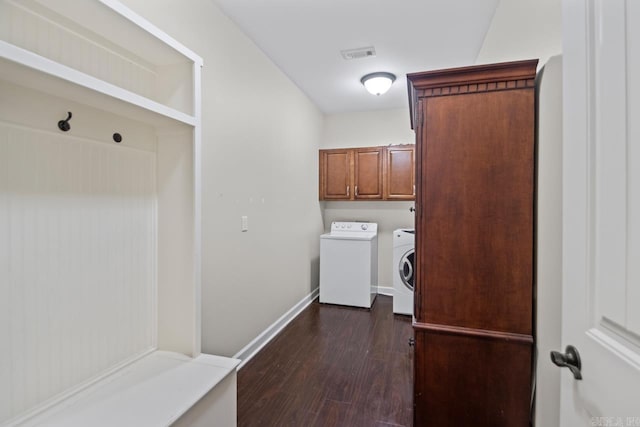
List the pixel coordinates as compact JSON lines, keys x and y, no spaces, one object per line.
{"x":378,"y":83}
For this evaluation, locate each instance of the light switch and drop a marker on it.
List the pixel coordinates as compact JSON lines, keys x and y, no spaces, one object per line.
{"x":245,"y":223}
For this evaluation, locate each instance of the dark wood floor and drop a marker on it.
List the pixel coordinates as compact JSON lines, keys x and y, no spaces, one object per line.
{"x":332,"y":366}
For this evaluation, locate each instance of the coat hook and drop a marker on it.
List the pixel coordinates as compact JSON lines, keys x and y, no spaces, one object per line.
{"x":64,"y":125}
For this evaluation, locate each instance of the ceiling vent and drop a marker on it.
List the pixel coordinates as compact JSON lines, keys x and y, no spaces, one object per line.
{"x":361,"y":52}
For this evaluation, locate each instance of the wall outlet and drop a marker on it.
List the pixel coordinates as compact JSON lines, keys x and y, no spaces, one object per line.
{"x":245,"y":223}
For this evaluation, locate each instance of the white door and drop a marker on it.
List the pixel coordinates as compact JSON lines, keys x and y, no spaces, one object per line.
{"x":601,"y":211}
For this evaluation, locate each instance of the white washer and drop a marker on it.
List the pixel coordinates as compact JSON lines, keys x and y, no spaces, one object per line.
{"x":403,"y":270}
{"x":349,"y":264}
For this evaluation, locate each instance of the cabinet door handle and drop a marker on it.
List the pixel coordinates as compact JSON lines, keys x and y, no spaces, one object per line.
{"x":356,"y":191}
{"x":414,"y":189}
{"x":347,"y":191}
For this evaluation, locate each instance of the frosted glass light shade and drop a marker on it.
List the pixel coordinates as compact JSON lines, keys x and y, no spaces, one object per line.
{"x":378,"y":83}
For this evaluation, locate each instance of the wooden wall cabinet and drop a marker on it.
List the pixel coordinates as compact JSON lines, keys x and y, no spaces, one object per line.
{"x":474,"y":244}
{"x":368,"y":173}
{"x":399,"y":173}
{"x":336,"y":168}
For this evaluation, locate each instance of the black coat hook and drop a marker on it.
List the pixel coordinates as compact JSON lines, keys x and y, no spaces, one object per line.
{"x":64,"y":125}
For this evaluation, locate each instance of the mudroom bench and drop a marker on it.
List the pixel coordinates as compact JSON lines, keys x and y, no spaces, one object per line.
{"x":161,"y":389}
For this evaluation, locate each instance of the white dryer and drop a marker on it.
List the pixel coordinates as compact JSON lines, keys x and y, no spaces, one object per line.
{"x":349,"y":264}
{"x":403,"y":270}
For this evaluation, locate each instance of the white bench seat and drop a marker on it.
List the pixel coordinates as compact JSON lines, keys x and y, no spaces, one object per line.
{"x":161,"y":389}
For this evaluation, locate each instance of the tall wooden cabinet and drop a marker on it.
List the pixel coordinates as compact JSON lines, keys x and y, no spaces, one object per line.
{"x":474,"y":244}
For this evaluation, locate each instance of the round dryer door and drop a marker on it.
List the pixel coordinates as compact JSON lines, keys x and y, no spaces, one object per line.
{"x":406,"y":268}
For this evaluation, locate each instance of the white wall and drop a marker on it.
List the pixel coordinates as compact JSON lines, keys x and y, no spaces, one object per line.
{"x":363,"y":129}
{"x":261,"y":136}
{"x":549,"y":250}
{"x":368,"y":128}
{"x":523,"y":29}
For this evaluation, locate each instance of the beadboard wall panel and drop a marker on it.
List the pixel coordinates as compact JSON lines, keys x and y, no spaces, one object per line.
{"x":78,"y":251}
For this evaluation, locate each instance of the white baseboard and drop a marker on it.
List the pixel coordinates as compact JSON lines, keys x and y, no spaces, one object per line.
{"x":386,"y":290}
{"x":271,"y":331}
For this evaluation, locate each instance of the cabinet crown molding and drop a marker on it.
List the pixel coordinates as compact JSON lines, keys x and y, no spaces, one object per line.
{"x":476,"y":78}
{"x":517,"y":70}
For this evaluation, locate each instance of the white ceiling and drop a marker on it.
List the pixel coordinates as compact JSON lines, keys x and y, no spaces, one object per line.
{"x":305,"y":37}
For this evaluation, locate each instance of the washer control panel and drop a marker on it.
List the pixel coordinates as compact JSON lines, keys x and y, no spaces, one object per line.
{"x":354,"y":227}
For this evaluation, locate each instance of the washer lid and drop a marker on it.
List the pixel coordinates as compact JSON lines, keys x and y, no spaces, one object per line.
{"x":403,"y":236}
{"x":405,"y":230}
{"x":349,"y":236}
